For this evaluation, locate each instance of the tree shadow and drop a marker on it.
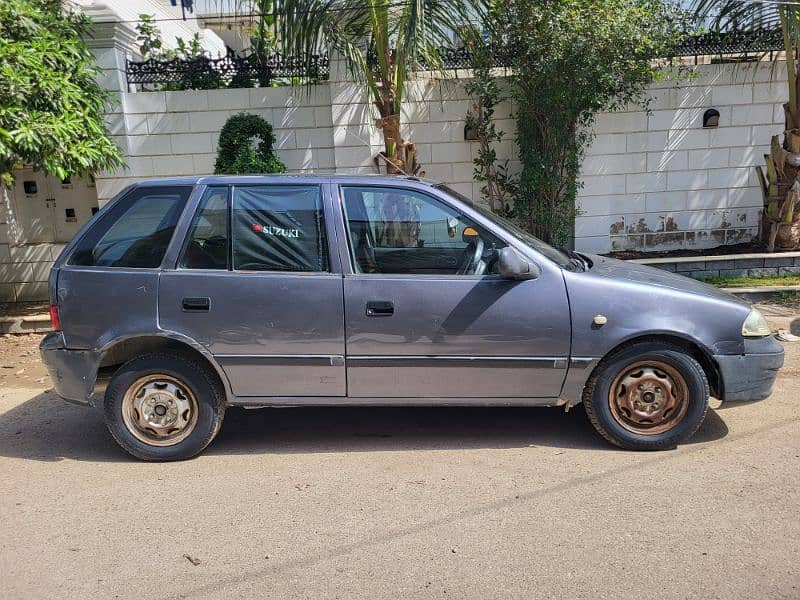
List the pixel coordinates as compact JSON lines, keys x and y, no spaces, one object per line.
{"x":45,"y":428}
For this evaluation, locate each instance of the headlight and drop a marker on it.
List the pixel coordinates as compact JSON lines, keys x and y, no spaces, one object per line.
{"x":755,"y":325}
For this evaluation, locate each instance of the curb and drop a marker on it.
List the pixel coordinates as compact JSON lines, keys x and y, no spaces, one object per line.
{"x":767,"y":292}
{"x":714,"y":257}
{"x":29,"y":324}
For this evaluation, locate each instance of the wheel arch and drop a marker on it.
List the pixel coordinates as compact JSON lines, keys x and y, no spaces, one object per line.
{"x":694,"y":348}
{"x":119,"y":351}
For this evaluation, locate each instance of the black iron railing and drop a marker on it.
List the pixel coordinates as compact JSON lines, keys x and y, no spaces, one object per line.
{"x":734,"y":44}
{"x":249,"y":70}
{"x":240,"y":71}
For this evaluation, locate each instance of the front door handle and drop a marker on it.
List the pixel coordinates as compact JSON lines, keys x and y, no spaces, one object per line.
{"x":196,"y":304}
{"x":380,"y":309}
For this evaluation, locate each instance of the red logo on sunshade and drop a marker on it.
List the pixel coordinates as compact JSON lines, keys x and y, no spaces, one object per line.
{"x":257,"y":228}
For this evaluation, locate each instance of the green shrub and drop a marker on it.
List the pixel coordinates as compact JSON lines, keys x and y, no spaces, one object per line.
{"x":245,"y":147}
{"x":51,"y":106}
{"x":571,"y":59}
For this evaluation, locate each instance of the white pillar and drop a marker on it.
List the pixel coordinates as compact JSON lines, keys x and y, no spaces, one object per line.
{"x":112,"y":43}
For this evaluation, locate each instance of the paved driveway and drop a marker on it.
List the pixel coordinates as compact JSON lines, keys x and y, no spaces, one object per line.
{"x":398,"y":503}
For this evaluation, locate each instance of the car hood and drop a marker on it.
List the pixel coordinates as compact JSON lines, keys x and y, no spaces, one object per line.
{"x":642,"y":274}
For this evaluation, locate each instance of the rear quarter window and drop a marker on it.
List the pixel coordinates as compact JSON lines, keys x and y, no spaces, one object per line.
{"x":135,"y":233}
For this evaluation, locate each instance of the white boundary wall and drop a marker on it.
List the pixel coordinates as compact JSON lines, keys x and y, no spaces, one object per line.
{"x":660,"y":181}
{"x":652,"y":181}
{"x":325,"y":128}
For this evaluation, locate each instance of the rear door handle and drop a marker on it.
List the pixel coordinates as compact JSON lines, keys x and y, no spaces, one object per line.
{"x":380,"y":309}
{"x":196,"y":304}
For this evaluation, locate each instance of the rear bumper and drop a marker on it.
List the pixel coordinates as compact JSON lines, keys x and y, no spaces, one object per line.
{"x":751,"y":376}
{"x":73,"y":372}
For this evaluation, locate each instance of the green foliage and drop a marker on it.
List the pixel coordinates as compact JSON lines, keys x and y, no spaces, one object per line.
{"x":51,"y":107}
{"x":197,"y":76}
{"x":245,"y":147}
{"x":262,"y":37}
{"x":149,"y":38}
{"x":484,"y":88}
{"x":571,"y":60}
{"x":768,"y":280}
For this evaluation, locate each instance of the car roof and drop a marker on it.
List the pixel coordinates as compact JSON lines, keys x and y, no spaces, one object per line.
{"x":282,"y":177}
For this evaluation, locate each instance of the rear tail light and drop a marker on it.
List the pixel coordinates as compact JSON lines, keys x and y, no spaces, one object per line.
{"x":55,"y":320}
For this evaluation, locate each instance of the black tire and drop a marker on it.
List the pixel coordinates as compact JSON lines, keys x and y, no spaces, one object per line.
{"x":613,"y":428}
{"x":195,"y":378}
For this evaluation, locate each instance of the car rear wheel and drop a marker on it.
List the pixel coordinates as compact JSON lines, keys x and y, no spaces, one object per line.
{"x":647,"y":396}
{"x":164,"y":406}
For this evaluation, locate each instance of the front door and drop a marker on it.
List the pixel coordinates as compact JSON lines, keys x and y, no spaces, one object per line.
{"x":428,"y":317}
{"x":255,"y":285}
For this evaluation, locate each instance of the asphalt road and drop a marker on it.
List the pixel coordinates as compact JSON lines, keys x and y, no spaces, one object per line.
{"x":401,"y":503}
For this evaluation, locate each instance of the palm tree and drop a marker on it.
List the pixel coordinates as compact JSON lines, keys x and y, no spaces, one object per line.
{"x":780,"y":184}
{"x":382,"y":43}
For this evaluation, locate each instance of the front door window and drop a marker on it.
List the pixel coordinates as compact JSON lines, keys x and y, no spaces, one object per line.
{"x":400,"y":231}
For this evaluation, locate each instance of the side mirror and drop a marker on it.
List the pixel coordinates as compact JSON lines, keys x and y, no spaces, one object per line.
{"x":469,"y":235}
{"x":513,"y":265}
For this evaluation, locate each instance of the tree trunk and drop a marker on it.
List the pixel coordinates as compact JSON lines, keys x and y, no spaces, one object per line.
{"x":399,"y":156}
{"x":773,"y":234}
{"x":778,"y":224}
{"x":393,"y":144}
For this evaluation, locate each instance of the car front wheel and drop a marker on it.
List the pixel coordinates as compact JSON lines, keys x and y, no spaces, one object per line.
{"x":647,"y":396}
{"x":163,"y":406}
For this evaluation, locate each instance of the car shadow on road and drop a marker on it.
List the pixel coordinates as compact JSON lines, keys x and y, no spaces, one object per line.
{"x":46,"y":428}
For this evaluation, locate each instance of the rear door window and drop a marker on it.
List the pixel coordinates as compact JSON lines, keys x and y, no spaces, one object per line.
{"x":278,"y":228}
{"x":135,"y":233}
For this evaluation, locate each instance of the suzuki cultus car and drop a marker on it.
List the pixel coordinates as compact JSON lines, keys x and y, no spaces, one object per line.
{"x":183,"y":297}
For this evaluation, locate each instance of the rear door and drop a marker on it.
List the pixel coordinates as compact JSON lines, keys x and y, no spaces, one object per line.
{"x":257,"y":284}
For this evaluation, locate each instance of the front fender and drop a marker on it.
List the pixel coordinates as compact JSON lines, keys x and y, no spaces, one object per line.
{"x":634,"y":310}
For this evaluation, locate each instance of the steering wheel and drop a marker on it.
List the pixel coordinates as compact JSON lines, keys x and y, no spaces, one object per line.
{"x":474,"y":260}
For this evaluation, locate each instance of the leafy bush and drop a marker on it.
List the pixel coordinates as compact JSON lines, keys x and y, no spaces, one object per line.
{"x":245,"y":147}
{"x":498,"y":186}
{"x":570,"y":60}
{"x":51,"y":106}
{"x":197,"y":76}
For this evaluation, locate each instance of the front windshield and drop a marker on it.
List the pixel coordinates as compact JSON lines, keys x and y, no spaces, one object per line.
{"x":559,"y":257}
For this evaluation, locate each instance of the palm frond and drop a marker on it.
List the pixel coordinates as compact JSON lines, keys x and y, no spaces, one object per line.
{"x":736,"y":15}
{"x":414,"y":29}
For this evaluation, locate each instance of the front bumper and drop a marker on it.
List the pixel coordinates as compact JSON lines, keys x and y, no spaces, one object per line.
{"x":750,"y":376}
{"x":73,"y":372}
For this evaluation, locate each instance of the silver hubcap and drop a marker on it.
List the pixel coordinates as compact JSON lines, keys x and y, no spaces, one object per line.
{"x":159,"y":410}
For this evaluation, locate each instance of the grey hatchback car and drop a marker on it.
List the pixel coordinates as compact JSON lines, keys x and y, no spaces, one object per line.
{"x":186,"y":296}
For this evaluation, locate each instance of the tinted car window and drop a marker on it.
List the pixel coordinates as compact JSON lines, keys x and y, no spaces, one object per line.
{"x":278,"y":228}
{"x":207,"y":241}
{"x":135,"y":233}
{"x":401,"y":231}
